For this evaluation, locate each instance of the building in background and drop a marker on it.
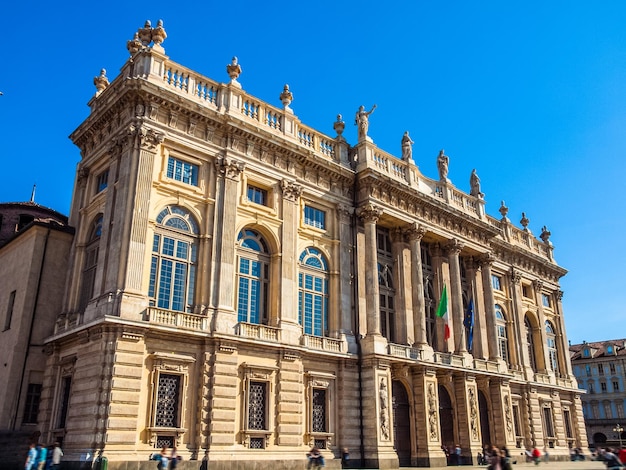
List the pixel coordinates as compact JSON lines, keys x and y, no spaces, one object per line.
{"x":245,"y":285}
{"x":34,"y":250}
{"x":599,"y":369}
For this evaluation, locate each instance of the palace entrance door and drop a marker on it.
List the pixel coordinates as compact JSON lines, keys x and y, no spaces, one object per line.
{"x":401,"y":423}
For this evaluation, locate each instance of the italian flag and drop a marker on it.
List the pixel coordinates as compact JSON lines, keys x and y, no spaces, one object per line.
{"x":442,"y":312}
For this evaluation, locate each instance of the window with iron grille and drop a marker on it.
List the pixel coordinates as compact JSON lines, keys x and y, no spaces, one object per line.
{"x":257,"y":443}
{"x":165,"y":441}
{"x":319,"y":410}
{"x":257,"y":406}
{"x":547,"y":419}
{"x":167,"y":402}
{"x":31,"y":408}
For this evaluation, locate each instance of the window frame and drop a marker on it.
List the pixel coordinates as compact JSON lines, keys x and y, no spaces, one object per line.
{"x":175,"y":168}
{"x":503,"y":340}
{"x":319,"y":297}
{"x":316,"y":380}
{"x":31,"y":404}
{"x":260,"y":195}
{"x":168,"y":364}
{"x":9,"y":312}
{"x":253,"y":373}
{"x":257,"y":254}
{"x":314,"y":217}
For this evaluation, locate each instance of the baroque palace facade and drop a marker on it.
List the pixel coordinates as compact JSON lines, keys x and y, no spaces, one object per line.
{"x":241,"y":284}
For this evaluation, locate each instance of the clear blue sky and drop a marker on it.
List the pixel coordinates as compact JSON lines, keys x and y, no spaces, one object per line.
{"x":532,"y":94}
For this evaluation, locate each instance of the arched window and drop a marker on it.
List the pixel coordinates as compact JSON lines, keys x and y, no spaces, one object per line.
{"x":253,"y":263}
{"x":174,"y":258}
{"x":313,"y":292}
{"x":503,"y":342}
{"x":551,"y":343}
{"x":90,"y":262}
{"x":531,"y":343}
{"x":385,"y":285}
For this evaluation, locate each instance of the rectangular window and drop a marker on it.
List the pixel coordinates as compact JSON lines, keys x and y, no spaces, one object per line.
{"x":619,"y":406}
{"x":257,"y":406}
{"x":600,"y":369}
{"x":318,"y":414}
{"x":590,"y":388}
{"x":9,"y":315}
{"x":608,"y":413}
{"x":31,"y":407}
{"x":547,"y":418}
{"x":615,"y":386}
{"x":182,"y":171}
{"x":66,"y":384}
{"x":257,"y":195}
{"x":168,"y":401}
{"x":526,"y":292}
{"x":568,"y":424}
{"x":315,"y":217}
{"x":496,"y":282}
{"x":516,"y":421}
{"x":603,"y":387}
{"x":612,"y":368}
{"x":588,"y":370}
{"x":102,"y":181}
{"x":545,"y":300}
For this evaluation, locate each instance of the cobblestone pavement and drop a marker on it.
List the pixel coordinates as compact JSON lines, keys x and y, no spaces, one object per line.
{"x":585,"y":465}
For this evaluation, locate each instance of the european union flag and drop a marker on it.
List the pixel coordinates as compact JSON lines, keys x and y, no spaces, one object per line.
{"x":468,"y":322}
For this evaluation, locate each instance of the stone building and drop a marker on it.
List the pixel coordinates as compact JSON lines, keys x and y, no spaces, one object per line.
{"x":34,"y":248}
{"x":245,"y":285}
{"x":599,"y":369}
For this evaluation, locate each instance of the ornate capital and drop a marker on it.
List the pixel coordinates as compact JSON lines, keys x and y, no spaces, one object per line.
{"x":229,"y":167}
{"x":454,"y":246}
{"x":538,"y":284}
{"x":345,"y":212}
{"x":396,"y":235}
{"x":559,"y":294}
{"x":516,"y":276}
{"x":148,"y":138}
{"x":291,"y":190}
{"x":369,"y":213}
{"x":486,"y":259}
{"x":415,"y":232}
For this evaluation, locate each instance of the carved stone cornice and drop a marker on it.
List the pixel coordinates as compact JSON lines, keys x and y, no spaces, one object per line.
{"x":369,"y":213}
{"x":291,"y":191}
{"x":415,"y":232}
{"x":229,"y":167}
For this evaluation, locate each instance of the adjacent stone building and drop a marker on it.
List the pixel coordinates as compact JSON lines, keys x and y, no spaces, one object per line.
{"x":34,"y":250}
{"x":245,"y":285}
{"x":599,"y":369}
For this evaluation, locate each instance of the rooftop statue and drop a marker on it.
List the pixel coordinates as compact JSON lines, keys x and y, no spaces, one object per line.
{"x":234,"y":70}
{"x":475,"y":184}
{"x":362,"y":121}
{"x":407,"y":147}
{"x":442,"y":166}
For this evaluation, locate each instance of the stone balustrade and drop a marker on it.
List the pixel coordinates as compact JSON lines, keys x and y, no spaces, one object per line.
{"x":262,"y":332}
{"x":400,"y":350}
{"x":187,"y":321}
{"x":324,"y":344}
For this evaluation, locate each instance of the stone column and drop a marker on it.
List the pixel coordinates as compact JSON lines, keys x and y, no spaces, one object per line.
{"x":478,"y":332}
{"x":518,"y":348}
{"x":563,"y":344}
{"x":229,"y":171}
{"x":538,"y":285}
{"x":403,"y":333}
{"x":346,"y":280}
{"x":290,"y":329}
{"x":490,"y":319}
{"x":456,"y":297}
{"x":369,"y":214}
{"x":415,"y":234}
